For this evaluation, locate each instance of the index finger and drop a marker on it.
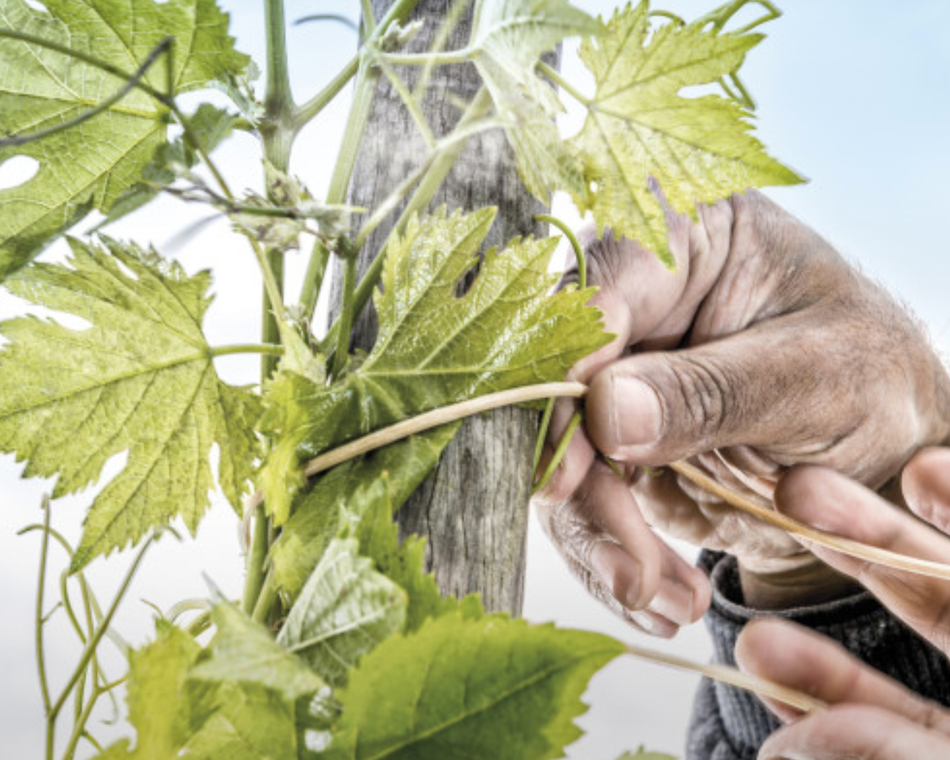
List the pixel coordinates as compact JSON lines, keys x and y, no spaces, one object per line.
{"x":832,"y":502}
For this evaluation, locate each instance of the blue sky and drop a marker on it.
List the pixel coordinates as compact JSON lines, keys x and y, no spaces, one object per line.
{"x":852,"y":94}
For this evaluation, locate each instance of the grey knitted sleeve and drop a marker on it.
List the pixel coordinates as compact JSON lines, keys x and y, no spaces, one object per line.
{"x":728,"y":724}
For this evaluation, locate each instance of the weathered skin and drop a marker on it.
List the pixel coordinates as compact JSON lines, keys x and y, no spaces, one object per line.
{"x":764,"y":350}
{"x":869,"y":716}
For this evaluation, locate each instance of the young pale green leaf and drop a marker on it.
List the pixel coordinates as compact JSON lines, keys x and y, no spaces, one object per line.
{"x":435,"y":347}
{"x":640,"y":126}
{"x":508,"y":39}
{"x":139,"y":379}
{"x":210,"y":127}
{"x":252,"y":714}
{"x":492,"y":687}
{"x":345,"y":609}
{"x":248,"y":698}
{"x":157,"y":685}
{"x":90,"y":165}
{"x":349,"y":489}
{"x":246,"y":722}
{"x":244,"y":652}
{"x":379,"y":539}
{"x":157,"y":676}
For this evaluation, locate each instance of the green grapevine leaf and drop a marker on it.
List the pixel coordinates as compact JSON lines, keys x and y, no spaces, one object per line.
{"x":157,"y":684}
{"x":508,"y":39}
{"x":379,"y":539}
{"x":245,"y":722}
{"x":699,"y":149}
{"x":245,"y":652}
{"x":434,"y":346}
{"x":139,"y":379}
{"x":345,"y":609}
{"x":210,"y":126}
{"x":92,"y":164}
{"x":247,"y":699}
{"x":349,"y":489}
{"x":492,"y":687}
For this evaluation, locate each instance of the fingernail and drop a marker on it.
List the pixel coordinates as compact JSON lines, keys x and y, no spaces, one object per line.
{"x":643,"y":620}
{"x":637,"y":412}
{"x":675,"y":602}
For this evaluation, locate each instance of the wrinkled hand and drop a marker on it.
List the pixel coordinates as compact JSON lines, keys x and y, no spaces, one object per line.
{"x":870,"y":716}
{"x":765,"y":349}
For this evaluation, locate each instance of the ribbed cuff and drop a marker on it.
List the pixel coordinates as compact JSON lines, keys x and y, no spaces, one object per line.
{"x":857,"y":622}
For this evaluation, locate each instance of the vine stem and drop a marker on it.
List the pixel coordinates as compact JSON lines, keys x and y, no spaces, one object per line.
{"x":277,"y":138}
{"x":40,"y":593}
{"x":429,"y":420}
{"x":555,"y":76}
{"x":269,"y":349}
{"x":89,"y":651}
{"x":559,"y":452}
{"x":545,"y":425}
{"x":424,"y":193}
{"x":346,"y":315}
{"x":733,"y":677}
{"x":309,"y":110}
{"x":429,"y":59}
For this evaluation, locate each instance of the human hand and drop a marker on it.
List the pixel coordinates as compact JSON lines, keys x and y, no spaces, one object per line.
{"x":870,"y":716}
{"x":763,"y":350}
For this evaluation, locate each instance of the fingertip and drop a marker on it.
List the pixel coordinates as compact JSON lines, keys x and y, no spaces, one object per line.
{"x":755,"y":645}
{"x":925,"y":483}
{"x":625,"y":415}
{"x":814,"y":495}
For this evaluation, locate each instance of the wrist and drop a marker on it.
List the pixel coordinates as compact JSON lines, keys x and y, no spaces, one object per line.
{"x":804,"y":584}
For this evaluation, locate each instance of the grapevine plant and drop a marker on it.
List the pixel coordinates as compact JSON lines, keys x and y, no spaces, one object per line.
{"x":342,"y":647}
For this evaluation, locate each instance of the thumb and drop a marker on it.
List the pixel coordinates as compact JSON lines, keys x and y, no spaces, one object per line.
{"x":753,"y":388}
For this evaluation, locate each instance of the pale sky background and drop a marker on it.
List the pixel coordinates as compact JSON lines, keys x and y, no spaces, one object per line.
{"x":852,"y":94}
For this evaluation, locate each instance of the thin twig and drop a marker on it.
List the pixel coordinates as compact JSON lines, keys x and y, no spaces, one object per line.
{"x":733,"y":677}
{"x":40,"y":656}
{"x":847,"y":546}
{"x":559,"y":452}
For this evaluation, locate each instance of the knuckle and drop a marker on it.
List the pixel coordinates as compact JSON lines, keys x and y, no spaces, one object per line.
{"x":703,"y":392}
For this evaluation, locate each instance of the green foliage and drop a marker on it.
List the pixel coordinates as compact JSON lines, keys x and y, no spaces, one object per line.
{"x":139,"y":379}
{"x":370,"y":658}
{"x":244,"y":699}
{"x":642,"y":754}
{"x":379,"y":539}
{"x":508,"y":39}
{"x":491,"y":687}
{"x":640,"y":125}
{"x":157,"y":679}
{"x":344,"y":610}
{"x":435,"y":347}
{"x":92,"y":164}
{"x":210,"y":126}
{"x":351,"y":489}
{"x":245,"y":652}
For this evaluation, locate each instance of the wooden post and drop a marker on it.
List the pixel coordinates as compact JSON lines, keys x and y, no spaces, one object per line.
{"x":474,"y":508}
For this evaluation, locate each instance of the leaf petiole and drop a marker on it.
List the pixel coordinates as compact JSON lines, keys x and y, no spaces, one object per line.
{"x":555,"y":76}
{"x":581,"y":260}
{"x":559,"y":452}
